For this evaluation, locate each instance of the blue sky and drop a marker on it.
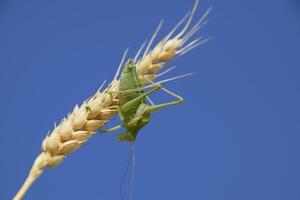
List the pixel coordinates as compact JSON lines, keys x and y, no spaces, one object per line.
{"x":236,"y":136}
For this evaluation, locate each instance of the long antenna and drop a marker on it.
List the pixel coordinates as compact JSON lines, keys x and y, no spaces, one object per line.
{"x":131,"y":194}
{"x":125,"y":174}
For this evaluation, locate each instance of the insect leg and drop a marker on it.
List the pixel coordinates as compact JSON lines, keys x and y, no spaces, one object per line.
{"x":114,"y":128}
{"x":127,"y":106}
{"x":163,"y":105}
{"x":111,"y":129}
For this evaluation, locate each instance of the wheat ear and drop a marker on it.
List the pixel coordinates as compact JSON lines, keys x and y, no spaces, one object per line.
{"x":85,"y":120}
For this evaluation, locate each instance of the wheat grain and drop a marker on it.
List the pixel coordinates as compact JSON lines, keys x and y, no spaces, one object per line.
{"x":85,"y":120}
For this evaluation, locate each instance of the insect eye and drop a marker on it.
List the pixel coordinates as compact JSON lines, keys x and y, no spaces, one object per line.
{"x":130,"y":61}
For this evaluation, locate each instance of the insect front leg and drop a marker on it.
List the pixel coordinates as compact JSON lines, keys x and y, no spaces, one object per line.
{"x":114,"y":128}
{"x":111,"y":129}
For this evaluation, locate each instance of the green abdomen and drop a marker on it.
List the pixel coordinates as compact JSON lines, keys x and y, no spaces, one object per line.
{"x":129,"y":81}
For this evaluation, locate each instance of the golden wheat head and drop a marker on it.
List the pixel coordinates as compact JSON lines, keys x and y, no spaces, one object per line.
{"x":85,"y":120}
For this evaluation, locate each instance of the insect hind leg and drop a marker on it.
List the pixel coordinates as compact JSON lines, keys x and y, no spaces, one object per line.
{"x":164,"y":105}
{"x":153,"y":107}
{"x":129,"y":104}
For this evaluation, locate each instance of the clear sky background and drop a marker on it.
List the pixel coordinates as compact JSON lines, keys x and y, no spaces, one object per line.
{"x":237,"y":137}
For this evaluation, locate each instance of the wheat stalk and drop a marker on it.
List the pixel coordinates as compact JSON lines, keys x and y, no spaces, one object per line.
{"x":85,"y":120}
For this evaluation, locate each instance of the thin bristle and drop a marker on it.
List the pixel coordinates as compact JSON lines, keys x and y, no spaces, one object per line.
{"x":188,"y":45}
{"x":140,"y":50}
{"x":153,"y":37}
{"x":174,"y":78}
{"x":121,"y":64}
{"x":100,"y":88}
{"x":166,"y":71}
{"x":176,"y":27}
{"x":200,"y":23}
{"x":195,"y":45}
{"x":189,"y":20}
{"x":151,"y":101}
{"x":193,"y":31}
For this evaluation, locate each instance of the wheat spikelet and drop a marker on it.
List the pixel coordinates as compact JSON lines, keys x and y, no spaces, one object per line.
{"x":85,"y":120}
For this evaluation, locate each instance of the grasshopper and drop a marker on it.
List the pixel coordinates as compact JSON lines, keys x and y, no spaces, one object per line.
{"x":133,"y":109}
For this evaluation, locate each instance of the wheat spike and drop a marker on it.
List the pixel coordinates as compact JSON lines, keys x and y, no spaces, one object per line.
{"x":85,"y":120}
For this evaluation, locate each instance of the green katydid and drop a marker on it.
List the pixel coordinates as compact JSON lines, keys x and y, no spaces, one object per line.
{"x":133,"y":109}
